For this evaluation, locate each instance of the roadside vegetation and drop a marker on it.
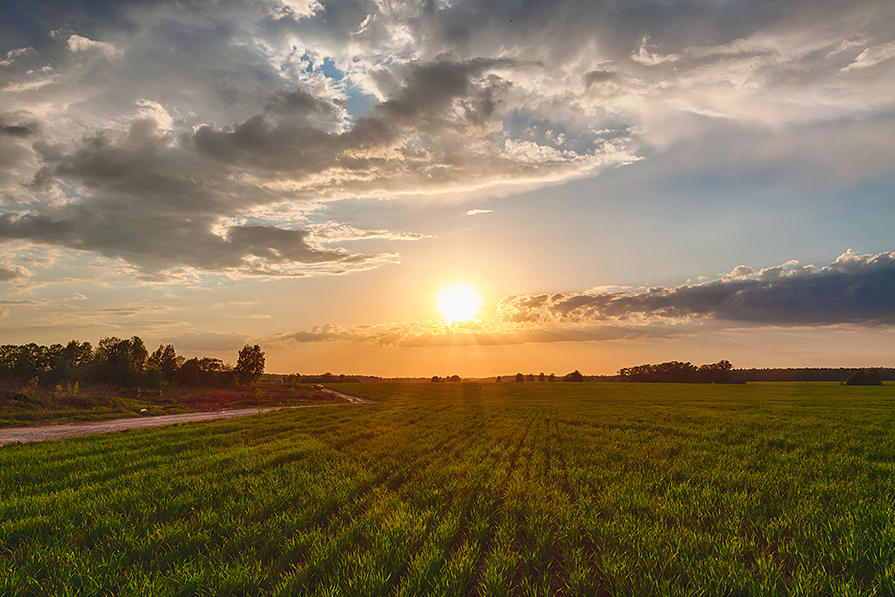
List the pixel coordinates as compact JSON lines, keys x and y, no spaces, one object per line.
{"x":119,"y":362}
{"x":41,"y":406}
{"x":473,"y":489}
{"x":120,"y":378}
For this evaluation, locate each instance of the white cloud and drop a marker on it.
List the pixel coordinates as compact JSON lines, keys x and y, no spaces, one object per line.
{"x":644,"y":56}
{"x":154,"y":111}
{"x":79,"y":44}
{"x":872,"y":56}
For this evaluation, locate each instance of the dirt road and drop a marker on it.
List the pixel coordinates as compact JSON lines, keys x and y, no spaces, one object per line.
{"x":352,"y":399}
{"x":52,"y":432}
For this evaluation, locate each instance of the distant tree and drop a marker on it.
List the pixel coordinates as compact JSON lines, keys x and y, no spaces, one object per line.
{"x":552,"y":377}
{"x":454,"y":378}
{"x":720,"y":372}
{"x":498,"y":380}
{"x":541,"y":376}
{"x":204,"y":372}
{"x":864,"y":377}
{"x":672,"y":371}
{"x":573,"y":376}
{"x":435,"y":379}
{"x":249,"y":364}
{"x":520,"y":378}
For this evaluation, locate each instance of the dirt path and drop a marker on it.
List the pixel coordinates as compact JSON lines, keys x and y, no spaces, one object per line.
{"x":53,"y":432}
{"x":352,"y":399}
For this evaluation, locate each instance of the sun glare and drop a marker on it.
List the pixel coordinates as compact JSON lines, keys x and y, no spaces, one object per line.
{"x":458,"y":302}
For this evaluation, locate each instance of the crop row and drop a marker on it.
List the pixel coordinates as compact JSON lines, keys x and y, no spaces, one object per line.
{"x":466,"y":489}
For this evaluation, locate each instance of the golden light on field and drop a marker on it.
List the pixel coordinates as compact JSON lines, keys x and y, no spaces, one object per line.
{"x":458,"y":302}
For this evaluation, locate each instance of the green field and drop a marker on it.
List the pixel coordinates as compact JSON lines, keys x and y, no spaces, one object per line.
{"x":468,"y":489}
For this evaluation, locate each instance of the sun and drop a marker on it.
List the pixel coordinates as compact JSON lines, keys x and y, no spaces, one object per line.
{"x":458,"y":302}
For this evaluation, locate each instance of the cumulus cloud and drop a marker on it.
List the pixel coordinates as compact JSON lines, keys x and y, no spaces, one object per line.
{"x":147,"y":126}
{"x":78,"y":43}
{"x":855,"y":289}
{"x":9,"y":274}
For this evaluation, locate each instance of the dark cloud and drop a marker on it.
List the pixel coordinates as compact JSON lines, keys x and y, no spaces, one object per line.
{"x":18,"y":125}
{"x":10,"y":274}
{"x":156,"y":199}
{"x":159,"y":206}
{"x":15,"y":129}
{"x":202,"y":114}
{"x":858,"y":289}
{"x":597,"y":76}
{"x":158,"y":244}
{"x":277,"y":140}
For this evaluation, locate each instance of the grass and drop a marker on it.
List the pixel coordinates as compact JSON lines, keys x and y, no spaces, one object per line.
{"x":468,"y":489}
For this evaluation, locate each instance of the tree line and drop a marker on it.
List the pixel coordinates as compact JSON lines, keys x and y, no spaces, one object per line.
{"x":678,"y":372}
{"x":540,"y":377}
{"x":123,"y":362}
{"x":840,"y":374}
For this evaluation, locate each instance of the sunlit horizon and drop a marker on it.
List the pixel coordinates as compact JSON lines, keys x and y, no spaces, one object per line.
{"x":470,"y":188}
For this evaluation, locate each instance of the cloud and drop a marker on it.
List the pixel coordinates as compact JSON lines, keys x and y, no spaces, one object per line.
{"x":10,"y":274}
{"x":423,"y":334}
{"x":18,"y":125}
{"x":872,"y":56}
{"x":152,"y":124}
{"x":80,"y":44}
{"x":478,"y":212}
{"x":597,"y":76}
{"x":644,"y":56}
{"x":854,"y":289}
{"x":16,"y":128}
{"x":158,"y":207}
{"x":332,"y":232}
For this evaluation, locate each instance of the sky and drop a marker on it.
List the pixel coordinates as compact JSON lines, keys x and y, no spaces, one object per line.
{"x":620,"y":182}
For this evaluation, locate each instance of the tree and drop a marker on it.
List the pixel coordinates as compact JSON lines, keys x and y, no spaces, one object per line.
{"x":498,"y":379}
{"x":120,"y":361}
{"x":138,"y":353}
{"x":864,"y":377}
{"x":114,"y":351}
{"x":520,"y":378}
{"x":552,"y":377}
{"x":541,"y":376}
{"x":165,"y":359}
{"x":249,"y":365}
{"x":720,"y":372}
{"x":574,"y":376}
{"x":204,"y":372}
